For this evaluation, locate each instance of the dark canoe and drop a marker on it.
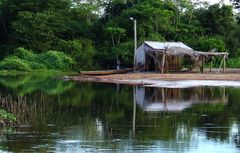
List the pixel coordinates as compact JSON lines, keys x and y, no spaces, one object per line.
{"x":106,"y":72}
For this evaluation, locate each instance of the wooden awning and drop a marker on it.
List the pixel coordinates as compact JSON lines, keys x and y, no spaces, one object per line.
{"x":198,"y":56}
{"x":177,"y":51}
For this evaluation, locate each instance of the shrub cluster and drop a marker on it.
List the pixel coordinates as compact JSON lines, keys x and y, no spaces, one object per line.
{"x":26,"y":60}
{"x":233,"y":62}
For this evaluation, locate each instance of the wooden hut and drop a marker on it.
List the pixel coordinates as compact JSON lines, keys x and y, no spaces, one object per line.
{"x":168,"y":56}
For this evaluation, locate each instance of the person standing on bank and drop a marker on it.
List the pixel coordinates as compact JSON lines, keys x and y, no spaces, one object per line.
{"x":118,"y":64}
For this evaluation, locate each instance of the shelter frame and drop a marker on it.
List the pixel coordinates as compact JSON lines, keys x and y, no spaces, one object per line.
{"x":198,"y":57}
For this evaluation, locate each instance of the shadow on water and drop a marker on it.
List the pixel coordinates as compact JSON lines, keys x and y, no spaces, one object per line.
{"x":63,"y":116}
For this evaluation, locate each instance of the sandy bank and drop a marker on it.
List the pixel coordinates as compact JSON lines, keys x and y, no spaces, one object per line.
{"x":230,"y":78}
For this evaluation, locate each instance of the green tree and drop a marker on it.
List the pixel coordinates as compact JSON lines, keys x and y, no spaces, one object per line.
{"x":95,"y":32}
{"x":208,"y":43}
{"x":32,"y":31}
{"x":116,"y":32}
{"x":216,"y":20}
{"x":81,"y":50}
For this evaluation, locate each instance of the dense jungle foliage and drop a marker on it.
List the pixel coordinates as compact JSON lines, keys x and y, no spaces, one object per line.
{"x":76,"y":34}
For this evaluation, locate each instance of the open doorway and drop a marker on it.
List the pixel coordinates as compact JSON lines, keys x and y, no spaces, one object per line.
{"x":150,"y":64}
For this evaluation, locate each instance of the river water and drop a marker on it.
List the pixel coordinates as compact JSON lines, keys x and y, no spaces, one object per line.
{"x":64,"y":116}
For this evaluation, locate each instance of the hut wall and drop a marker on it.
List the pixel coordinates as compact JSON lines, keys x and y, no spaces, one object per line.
{"x":172,"y":63}
{"x":140,"y":55}
{"x":145,"y":62}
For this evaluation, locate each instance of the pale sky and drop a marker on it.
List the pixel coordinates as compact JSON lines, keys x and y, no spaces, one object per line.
{"x":217,"y":1}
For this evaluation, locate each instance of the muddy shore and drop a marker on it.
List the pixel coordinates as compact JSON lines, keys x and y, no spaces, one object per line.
{"x":147,"y":78}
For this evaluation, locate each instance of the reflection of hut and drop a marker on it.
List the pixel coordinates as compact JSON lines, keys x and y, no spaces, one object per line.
{"x":167,"y":56}
{"x":173,"y":99}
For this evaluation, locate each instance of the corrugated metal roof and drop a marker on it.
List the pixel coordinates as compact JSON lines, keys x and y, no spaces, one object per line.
{"x":163,"y":45}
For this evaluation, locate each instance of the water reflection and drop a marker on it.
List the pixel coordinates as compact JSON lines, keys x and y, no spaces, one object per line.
{"x":176,"y":100}
{"x":62,"y":116}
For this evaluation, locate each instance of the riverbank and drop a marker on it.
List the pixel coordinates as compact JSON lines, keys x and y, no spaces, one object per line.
{"x":36,"y":72}
{"x":146,"y":78}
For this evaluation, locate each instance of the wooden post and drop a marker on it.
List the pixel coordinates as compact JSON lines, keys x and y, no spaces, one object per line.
{"x":164,"y":100}
{"x":211,"y":66}
{"x":224,"y":95}
{"x":166,"y":64}
{"x":157,"y":63}
{"x":202,"y":64}
{"x":224,"y":63}
{"x":220,"y":65}
{"x":203,"y":93}
{"x":163,"y":62}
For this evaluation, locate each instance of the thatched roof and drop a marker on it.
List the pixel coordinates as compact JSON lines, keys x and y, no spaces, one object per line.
{"x":193,"y":53}
{"x":178,"y":49}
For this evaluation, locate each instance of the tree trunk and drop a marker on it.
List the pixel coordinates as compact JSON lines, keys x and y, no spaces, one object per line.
{"x":4,"y":27}
{"x":113,"y":43}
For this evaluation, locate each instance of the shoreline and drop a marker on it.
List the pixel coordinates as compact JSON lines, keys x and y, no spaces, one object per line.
{"x":230,"y":78}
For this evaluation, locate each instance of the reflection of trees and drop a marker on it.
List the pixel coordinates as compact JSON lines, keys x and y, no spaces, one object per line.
{"x":212,"y":119}
{"x":38,"y":107}
{"x":237,"y":136}
{"x":41,"y":113}
{"x":208,"y":108}
{"x":233,"y":108}
{"x":26,"y":84}
{"x":104,"y":112}
{"x":77,"y":108}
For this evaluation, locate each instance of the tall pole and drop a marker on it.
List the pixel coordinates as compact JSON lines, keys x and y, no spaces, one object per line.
{"x":134,"y":111}
{"x":135,"y":43}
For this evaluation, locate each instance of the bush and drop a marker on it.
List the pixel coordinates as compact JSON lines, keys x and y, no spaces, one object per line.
{"x":25,"y":60}
{"x":14,"y":63}
{"x":82,"y":51}
{"x":37,"y":66}
{"x":25,"y":54}
{"x":56,"y":60}
{"x":233,"y":62}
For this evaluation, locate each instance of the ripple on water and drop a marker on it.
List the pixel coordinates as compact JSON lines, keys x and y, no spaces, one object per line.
{"x":68,"y":141}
